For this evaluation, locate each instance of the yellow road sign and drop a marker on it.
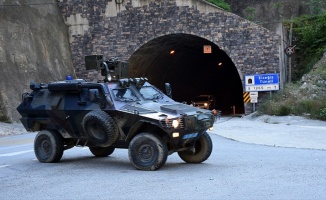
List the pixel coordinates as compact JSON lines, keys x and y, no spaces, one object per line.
{"x":246,"y":97}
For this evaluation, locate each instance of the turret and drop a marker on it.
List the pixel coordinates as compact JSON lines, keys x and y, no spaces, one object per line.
{"x":112,"y":69}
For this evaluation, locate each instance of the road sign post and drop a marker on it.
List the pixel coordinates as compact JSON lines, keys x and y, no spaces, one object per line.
{"x":253,"y":97}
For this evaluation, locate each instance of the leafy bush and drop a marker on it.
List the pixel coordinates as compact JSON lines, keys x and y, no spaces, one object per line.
{"x":283,"y":110}
{"x":305,"y":106}
{"x":220,"y":3}
{"x":278,"y":105}
{"x":322,"y":113}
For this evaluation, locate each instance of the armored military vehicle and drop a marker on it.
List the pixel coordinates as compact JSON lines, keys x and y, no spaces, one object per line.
{"x":117,"y":112}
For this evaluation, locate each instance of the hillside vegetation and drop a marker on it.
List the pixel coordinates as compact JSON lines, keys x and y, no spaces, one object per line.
{"x":310,"y":34}
{"x":221,"y":4}
{"x":307,"y":95}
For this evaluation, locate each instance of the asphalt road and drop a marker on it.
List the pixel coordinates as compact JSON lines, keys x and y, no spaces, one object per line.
{"x":235,"y":170}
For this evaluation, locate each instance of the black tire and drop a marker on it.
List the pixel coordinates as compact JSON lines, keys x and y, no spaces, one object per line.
{"x":147,"y":152}
{"x":202,"y":150}
{"x":100,"y":128}
{"x":48,"y":146}
{"x":101,"y":151}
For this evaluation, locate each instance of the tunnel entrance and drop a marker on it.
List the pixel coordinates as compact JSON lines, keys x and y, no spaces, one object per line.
{"x":179,"y":59}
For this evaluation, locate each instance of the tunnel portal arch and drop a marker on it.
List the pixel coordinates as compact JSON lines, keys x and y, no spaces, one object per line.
{"x":119,"y":28}
{"x":180,"y":60}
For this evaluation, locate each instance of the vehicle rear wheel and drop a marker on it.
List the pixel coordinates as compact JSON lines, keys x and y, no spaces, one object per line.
{"x":48,"y":146}
{"x":101,"y":151}
{"x":100,"y":128}
{"x":201,"y":151}
{"x":147,"y":152}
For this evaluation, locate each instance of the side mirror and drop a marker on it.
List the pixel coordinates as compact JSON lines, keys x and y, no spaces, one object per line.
{"x":168,"y":90}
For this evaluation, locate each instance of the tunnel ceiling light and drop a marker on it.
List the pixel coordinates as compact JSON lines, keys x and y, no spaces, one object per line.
{"x":219,"y":64}
{"x":172,"y":52}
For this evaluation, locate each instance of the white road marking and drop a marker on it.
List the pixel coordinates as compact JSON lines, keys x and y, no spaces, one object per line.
{"x":15,"y":153}
{"x":316,"y":127}
{"x":17,"y":146}
{"x":4,"y":166}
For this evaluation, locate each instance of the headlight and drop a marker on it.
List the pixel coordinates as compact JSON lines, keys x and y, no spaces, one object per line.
{"x":175,"y":123}
{"x":109,"y":77}
{"x":172,"y":123}
{"x":175,"y":134}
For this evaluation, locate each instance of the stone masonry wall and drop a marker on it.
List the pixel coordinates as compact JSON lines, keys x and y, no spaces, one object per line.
{"x":117,"y":28}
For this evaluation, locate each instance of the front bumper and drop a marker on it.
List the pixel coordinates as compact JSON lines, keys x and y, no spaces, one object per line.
{"x":203,"y":106}
{"x":190,"y":128}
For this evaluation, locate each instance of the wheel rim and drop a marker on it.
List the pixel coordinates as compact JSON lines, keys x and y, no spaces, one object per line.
{"x":45,"y":146}
{"x":145,"y":153}
{"x":95,"y":131}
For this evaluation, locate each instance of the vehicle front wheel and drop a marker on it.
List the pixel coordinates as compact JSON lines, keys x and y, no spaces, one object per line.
{"x":147,"y":152}
{"x":48,"y":146}
{"x":101,"y":151}
{"x":200,"y":152}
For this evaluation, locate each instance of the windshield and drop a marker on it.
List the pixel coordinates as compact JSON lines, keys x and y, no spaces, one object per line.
{"x":201,"y":98}
{"x":149,"y":92}
{"x":124,"y":95}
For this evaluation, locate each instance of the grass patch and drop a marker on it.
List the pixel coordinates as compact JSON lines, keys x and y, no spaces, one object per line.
{"x":293,"y":101}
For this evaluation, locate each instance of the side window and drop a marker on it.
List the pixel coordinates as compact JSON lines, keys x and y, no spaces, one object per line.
{"x":93,"y":95}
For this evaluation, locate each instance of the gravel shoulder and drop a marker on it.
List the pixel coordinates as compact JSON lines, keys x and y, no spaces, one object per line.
{"x":12,"y":129}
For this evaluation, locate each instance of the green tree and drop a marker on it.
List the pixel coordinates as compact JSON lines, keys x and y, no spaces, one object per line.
{"x":220,"y":3}
{"x":315,"y":6}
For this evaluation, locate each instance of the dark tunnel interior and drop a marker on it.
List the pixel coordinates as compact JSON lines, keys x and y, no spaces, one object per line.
{"x":179,"y":59}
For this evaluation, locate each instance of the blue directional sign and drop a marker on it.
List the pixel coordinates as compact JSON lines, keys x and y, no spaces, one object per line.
{"x":262,"y":82}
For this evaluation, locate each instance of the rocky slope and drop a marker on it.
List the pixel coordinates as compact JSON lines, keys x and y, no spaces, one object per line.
{"x":315,"y":81}
{"x":33,"y":46}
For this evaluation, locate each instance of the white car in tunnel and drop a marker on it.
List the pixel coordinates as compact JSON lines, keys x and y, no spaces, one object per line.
{"x":204,"y":101}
